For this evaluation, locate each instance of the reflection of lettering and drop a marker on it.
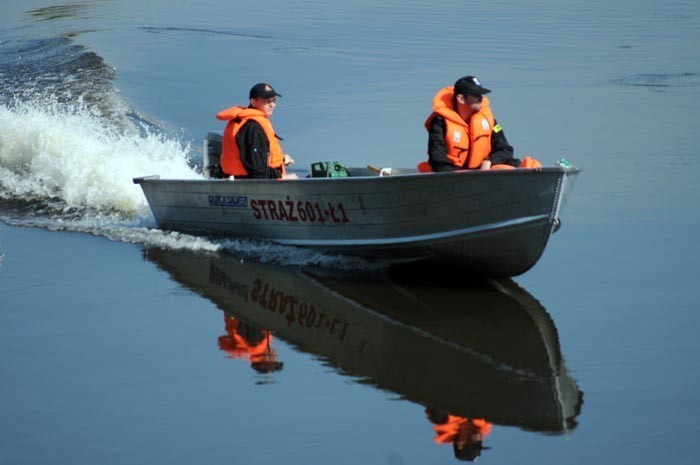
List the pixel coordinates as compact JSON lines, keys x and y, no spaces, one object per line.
{"x":304,"y":211}
{"x":296,"y":312}
{"x":228,"y":201}
{"x":218,"y":277}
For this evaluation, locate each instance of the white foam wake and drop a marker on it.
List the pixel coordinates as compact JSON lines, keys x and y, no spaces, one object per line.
{"x":141,"y":230}
{"x":48,"y":150}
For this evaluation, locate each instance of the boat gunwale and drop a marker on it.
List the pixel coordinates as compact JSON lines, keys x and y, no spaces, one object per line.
{"x":402,"y":176}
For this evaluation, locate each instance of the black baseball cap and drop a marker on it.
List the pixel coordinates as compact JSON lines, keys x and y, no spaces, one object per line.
{"x":263,"y":90}
{"x":470,"y":85}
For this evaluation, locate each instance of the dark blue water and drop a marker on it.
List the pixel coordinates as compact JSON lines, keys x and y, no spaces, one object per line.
{"x":124,"y":344}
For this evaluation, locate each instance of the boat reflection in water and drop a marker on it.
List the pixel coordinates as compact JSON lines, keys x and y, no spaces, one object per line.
{"x":472,"y":355}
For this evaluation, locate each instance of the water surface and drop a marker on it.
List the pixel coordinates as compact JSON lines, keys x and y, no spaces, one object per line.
{"x":125,"y":344}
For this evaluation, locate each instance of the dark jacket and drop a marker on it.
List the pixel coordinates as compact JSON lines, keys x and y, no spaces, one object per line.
{"x":255,"y":151}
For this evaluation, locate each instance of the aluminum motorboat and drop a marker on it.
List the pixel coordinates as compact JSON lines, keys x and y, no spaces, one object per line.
{"x":491,"y":222}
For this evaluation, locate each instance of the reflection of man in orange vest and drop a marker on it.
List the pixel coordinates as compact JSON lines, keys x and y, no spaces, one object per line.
{"x":464,"y":134}
{"x":465,"y":434}
{"x":244,"y":341}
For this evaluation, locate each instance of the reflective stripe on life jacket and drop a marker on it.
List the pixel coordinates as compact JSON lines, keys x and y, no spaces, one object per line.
{"x":237,"y":116}
{"x":468,"y":144}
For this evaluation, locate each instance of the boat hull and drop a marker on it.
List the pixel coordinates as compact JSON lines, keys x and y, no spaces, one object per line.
{"x":487,"y":222}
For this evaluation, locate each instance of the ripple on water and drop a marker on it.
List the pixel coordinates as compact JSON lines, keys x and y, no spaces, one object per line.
{"x":661,"y":81}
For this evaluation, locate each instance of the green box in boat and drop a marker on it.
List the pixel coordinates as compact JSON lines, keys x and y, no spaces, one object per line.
{"x":328,"y":169}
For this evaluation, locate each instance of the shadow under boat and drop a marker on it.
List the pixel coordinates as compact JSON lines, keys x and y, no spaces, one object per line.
{"x":488,"y":350}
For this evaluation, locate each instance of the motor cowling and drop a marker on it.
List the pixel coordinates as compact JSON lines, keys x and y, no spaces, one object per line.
{"x":211,"y":156}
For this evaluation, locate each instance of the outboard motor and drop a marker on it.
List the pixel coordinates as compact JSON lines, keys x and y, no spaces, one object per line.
{"x":211,"y":156}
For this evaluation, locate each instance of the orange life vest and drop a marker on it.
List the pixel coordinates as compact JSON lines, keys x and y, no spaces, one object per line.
{"x":468,"y":143}
{"x":231,"y":156}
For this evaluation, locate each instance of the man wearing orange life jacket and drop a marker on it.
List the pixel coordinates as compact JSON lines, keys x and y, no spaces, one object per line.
{"x":250,"y":147}
{"x":462,"y":131}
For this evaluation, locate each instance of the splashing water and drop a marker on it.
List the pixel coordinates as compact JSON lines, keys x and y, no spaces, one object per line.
{"x":71,"y":153}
